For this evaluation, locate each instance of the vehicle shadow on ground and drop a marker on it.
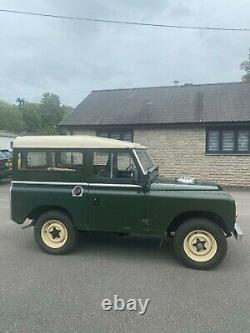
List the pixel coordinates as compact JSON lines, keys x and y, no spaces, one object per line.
{"x":126,"y":247}
{"x":105,"y":246}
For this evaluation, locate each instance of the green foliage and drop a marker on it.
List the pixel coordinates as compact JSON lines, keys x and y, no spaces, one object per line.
{"x":66,"y":110}
{"x":33,"y":118}
{"x":50,"y":110}
{"x":246,"y":77}
{"x":10,"y":118}
{"x":20,"y":100}
{"x":245,"y":66}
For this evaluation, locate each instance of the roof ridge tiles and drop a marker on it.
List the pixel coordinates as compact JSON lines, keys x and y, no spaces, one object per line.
{"x":185,"y":85}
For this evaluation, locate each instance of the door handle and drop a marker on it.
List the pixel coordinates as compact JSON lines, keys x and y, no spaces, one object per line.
{"x":77,"y":192}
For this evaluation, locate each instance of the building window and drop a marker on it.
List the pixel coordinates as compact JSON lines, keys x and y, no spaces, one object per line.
{"x":124,"y":135}
{"x":228,"y":141}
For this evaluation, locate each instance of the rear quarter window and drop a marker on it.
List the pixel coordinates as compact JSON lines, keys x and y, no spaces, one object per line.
{"x":50,"y":161}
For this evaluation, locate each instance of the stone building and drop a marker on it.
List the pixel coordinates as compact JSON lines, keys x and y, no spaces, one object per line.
{"x":198,"y":130}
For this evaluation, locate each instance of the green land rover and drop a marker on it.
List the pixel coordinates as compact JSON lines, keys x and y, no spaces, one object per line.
{"x":67,"y":184}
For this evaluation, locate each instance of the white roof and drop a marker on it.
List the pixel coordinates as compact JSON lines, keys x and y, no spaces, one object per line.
{"x":72,"y":141}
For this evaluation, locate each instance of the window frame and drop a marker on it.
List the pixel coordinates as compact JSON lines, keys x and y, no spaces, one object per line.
{"x":94,"y":179}
{"x":236,"y":131}
{"x":121,"y":131}
{"x":135,"y":151}
{"x":47,"y":175}
{"x":48,"y":151}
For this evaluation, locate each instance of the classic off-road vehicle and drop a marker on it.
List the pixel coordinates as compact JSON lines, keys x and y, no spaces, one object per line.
{"x":66,"y":184}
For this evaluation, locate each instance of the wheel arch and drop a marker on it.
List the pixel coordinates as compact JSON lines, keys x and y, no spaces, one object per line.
{"x":38,"y":211}
{"x":179,"y":219}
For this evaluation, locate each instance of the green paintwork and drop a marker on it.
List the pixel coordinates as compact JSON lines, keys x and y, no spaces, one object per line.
{"x":148,"y":208}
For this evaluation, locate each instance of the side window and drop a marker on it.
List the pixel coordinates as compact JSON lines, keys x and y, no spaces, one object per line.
{"x":66,"y":161}
{"x":50,"y":161}
{"x":124,"y":165}
{"x":33,"y":160}
{"x":113,"y":165}
{"x":102,"y":167}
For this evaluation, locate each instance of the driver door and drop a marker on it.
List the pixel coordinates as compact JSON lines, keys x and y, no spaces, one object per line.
{"x":116,"y":202}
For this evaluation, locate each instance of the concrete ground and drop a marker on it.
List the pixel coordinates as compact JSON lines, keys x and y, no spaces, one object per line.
{"x":45,"y":293}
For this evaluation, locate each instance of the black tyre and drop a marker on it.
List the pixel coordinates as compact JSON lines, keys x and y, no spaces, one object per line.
{"x":55,"y":233}
{"x":200,"y":244}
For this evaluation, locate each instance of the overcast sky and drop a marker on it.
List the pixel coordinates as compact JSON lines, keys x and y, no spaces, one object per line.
{"x":72,"y":58}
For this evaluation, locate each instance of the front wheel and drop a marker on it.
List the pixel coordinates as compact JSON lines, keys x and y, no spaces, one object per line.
{"x":200,"y":244}
{"x":55,"y":233}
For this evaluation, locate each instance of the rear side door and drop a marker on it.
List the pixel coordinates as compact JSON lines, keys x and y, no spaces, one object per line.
{"x":116,"y":202}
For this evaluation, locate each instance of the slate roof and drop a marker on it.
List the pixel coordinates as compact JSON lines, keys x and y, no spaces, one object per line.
{"x":204,"y":103}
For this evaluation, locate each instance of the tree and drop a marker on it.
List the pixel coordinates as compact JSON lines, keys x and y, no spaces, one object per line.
{"x":66,"y":110}
{"x":31,"y":117}
{"x":10,"y":118}
{"x":50,"y":111}
{"x":245,"y":66}
{"x":20,"y":101}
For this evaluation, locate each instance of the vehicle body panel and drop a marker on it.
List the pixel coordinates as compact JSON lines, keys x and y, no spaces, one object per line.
{"x":27,"y":203}
{"x":116,"y":208}
{"x":166,"y":206}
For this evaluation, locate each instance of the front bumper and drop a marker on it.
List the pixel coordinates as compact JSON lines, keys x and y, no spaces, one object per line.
{"x":238,"y":234}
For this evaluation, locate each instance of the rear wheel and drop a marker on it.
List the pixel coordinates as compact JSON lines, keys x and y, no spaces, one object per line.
{"x":200,"y":244}
{"x":55,"y":233}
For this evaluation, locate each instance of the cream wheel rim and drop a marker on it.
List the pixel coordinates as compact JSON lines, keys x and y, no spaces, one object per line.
{"x":200,"y":245}
{"x":54,"y":234}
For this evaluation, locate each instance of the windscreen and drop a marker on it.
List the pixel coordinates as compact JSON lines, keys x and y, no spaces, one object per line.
{"x":145,"y":159}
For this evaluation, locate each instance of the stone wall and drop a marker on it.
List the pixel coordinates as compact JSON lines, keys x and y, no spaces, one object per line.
{"x":181,"y":151}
